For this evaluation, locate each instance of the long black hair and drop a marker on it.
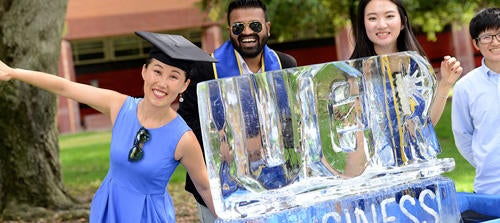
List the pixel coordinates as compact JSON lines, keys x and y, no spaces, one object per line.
{"x":364,"y":46}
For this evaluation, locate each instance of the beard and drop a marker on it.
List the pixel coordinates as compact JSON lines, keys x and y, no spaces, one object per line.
{"x":249,"y":52}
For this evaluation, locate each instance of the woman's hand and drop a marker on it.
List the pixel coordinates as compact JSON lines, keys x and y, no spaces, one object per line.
{"x":5,"y":71}
{"x":451,"y":70}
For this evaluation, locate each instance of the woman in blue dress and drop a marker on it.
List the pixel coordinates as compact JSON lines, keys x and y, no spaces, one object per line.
{"x":149,"y":138}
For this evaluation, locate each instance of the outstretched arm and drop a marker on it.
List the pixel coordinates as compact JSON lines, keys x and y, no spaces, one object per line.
{"x":450,"y":72}
{"x":106,"y":101}
{"x":189,"y":153}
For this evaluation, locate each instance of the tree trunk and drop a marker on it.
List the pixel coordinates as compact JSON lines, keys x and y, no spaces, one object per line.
{"x":30,"y":171}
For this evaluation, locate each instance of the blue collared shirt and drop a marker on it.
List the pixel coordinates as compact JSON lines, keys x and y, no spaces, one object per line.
{"x":476,"y":125}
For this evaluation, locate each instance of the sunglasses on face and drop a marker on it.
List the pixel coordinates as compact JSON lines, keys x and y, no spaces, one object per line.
{"x":238,"y":27}
{"x":136,"y":153}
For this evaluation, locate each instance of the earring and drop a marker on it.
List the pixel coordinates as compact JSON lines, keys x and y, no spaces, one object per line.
{"x":181,"y":99}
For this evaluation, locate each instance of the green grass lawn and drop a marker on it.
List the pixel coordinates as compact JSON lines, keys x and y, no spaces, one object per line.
{"x":85,"y":158}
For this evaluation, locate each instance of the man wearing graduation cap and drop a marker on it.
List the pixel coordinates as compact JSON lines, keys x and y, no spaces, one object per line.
{"x":149,"y":139}
{"x":246,"y":52}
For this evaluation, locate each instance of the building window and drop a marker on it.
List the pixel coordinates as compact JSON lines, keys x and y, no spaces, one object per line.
{"x":90,"y":51}
{"x":107,"y":50}
{"x":127,"y":48}
{"x":118,"y":48}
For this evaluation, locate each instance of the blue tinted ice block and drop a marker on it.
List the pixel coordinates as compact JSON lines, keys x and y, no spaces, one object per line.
{"x":345,"y":134}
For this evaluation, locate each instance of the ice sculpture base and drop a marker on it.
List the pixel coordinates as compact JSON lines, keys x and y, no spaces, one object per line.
{"x":426,"y":200}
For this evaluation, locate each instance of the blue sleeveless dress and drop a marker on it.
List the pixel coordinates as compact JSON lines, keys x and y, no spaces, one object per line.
{"x":137,"y":191}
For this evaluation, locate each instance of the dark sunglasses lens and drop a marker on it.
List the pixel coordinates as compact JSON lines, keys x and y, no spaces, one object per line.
{"x":237,"y":28}
{"x":142,"y":135}
{"x":256,"y":26}
{"x":135,"y":154}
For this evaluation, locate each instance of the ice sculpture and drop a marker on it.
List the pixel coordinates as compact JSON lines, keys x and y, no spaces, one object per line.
{"x":314,"y":142}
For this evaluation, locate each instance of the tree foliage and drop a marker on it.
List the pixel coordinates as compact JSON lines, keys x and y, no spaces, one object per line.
{"x":293,"y":19}
{"x":432,"y":17}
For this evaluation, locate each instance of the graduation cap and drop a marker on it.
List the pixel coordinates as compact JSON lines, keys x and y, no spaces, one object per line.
{"x":175,"y":50}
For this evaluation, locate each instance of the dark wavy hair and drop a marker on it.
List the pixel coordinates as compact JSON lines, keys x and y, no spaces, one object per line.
{"x":364,"y":47}
{"x":241,"y":4}
{"x":485,"y":19}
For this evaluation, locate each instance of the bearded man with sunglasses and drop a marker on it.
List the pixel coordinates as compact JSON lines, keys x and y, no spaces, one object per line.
{"x":247,"y":50}
{"x":245,"y":53}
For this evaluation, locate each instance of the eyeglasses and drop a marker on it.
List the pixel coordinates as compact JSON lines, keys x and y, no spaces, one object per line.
{"x":136,"y":152}
{"x":238,"y":27}
{"x":487,"y":39}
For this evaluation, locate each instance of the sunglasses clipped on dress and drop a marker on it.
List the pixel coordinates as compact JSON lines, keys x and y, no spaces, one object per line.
{"x":136,"y":152}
